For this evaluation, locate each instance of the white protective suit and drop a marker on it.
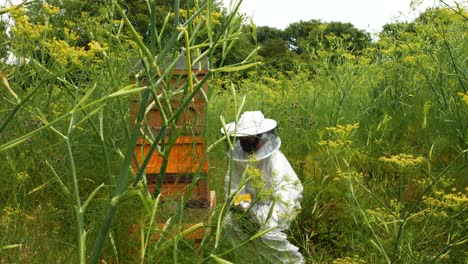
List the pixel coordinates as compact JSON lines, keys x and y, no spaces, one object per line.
{"x":284,"y":193}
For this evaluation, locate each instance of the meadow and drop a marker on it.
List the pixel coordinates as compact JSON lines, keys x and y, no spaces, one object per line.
{"x":379,"y":139}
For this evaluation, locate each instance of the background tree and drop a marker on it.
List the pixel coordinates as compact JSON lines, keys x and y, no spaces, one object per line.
{"x":298,"y":32}
{"x":265,"y":33}
{"x":314,"y":34}
{"x":394,"y":30}
{"x":274,"y":48}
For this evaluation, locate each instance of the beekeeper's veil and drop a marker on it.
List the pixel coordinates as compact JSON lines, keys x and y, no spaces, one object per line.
{"x":252,"y":123}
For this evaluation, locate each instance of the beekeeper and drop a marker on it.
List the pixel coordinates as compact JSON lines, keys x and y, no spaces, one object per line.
{"x":262,"y":185}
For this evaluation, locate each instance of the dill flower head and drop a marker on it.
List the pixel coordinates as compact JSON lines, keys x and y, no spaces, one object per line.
{"x":257,"y":180}
{"x":339,"y":135}
{"x":455,"y":200}
{"x":22,"y":176}
{"x":464,"y":97}
{"x":403,"y":160}
{"x":343,"y":129}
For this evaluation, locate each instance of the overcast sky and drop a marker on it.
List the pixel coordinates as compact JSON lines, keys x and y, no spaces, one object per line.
{"x":369,"y":15}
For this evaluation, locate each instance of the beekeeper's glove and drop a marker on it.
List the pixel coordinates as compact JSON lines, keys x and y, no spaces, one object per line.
{"x":241,"y":207}
{"x":244,"y":205}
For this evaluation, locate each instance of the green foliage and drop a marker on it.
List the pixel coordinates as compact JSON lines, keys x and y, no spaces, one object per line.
{"x":379,"y":141}
{"x":377,"y":132}
{"x":266,"y":33}
{"x":303,"y":42}
{"x":65,"y":133}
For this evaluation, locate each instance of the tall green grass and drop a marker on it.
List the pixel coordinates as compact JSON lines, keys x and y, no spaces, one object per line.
{"x":67,"y":139}
{"x":378,"y":140}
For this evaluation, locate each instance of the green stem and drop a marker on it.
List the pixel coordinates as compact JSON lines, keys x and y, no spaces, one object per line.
{"x":77,"y":203}
{"x":121,"y":181}
{"x":18,"y":107}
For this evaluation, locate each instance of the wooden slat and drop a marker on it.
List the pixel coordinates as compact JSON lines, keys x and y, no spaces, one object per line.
{"x":185,"y":156}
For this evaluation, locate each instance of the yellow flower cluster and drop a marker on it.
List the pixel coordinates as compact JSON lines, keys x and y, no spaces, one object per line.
{"x":340,"y":129}
{"x":335,"y":143}
{"x":409,"y":58}
{"x":10,"y":211}
{"x":383,"y":215}
{"x":23,"y":26}
{"x":341,"y":133}
{"x":349,"y":56}
{"x":8,"y":215}
{"x":379,"y":215}
{"x":454,"y":200}
{"x":63,"y":50}
{"x":96,"y":47}
{"x":348,"y":175}
{"x":214,"y":16}
{"x":64,"y":53}
{"x":464,"y":97}
{"x":403,"y":160}
{"x":22,"y":176}
{"x":70,"y":34}
{"x":50,"y":10}
{"x":349,"y":260}
{"x":257,"y":180}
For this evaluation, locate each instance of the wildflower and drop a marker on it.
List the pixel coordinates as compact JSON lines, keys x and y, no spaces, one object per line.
{"x":24,"y":27}
{"x":349,"y":175}
{"x":335,"y":143}
{"x":340,"y":129}
{"x":441,"y":200}
{"x":95,"y":47}
{"x":464,"y":97}
{"x":70,"y":34}
{"x":10,"y":211}
{"x":31,"y":217}
{"x":22,"y":177}
{"x":257,"y":180}
{"x":8,"y":214}
{"x":403,"y":160}
{"x":64,"y":54}
{"x":349,"y":260}
{"x":50,"y":10}
{"x":409,"y":59}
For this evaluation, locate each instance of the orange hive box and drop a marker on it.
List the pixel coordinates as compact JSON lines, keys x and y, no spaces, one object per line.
{"x":185,"y":156}
{"x":185,"y":161}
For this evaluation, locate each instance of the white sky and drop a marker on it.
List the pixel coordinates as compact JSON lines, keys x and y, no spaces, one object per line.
{"x":369,"y":15}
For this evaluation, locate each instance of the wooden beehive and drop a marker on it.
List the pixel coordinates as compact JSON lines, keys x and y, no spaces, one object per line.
{"x":193,"y":116}
{"x":185,"y":161}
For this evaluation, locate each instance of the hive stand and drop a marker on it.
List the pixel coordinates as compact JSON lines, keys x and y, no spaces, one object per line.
{"x":187,"y":160}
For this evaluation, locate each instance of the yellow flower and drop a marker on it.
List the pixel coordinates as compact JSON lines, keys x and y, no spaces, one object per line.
{"x":95,"y":47}
{"x":22,"y":176}
{"x":349,"y":260}
{"x":349,"y":175}
{"x":454,"y":200}
{"x":464,"y":97}
{"x":403,"y":160}
{"x":50,"y":10}
{"x":70,"y":34}
{"x":24,"y":28}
